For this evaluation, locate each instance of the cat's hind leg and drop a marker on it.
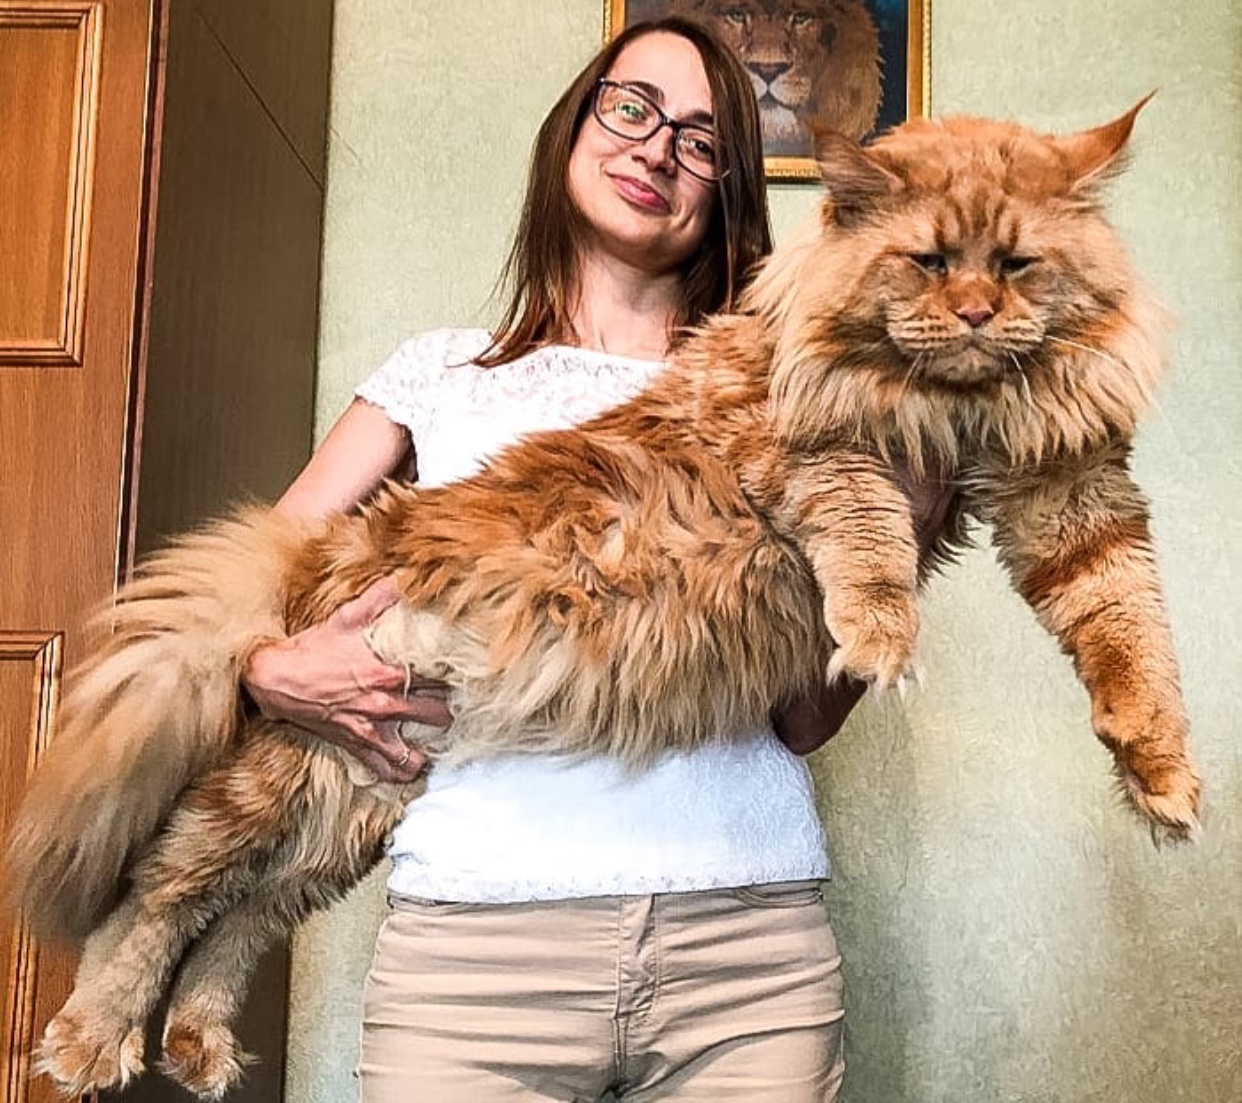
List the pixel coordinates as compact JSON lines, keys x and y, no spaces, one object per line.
{"x":334,"y":836}
{"x":94,"y":1042}
{"x":200,"y":1050}
{"x":202,"y":863}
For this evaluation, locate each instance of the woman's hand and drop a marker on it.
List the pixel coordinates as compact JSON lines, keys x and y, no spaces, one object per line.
{"x":327,"y":680}
{"x":808,"y":723}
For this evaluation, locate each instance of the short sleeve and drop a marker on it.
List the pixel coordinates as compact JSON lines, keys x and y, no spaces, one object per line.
{"x":409,"y":384}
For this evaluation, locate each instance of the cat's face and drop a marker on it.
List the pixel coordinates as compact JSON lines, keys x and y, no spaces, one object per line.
{"x":967,"y":291}
{"x":981,"y":253}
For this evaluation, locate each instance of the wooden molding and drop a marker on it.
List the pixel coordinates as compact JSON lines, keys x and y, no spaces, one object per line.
{"x":49,"y":327}
{"x":41,"y":652}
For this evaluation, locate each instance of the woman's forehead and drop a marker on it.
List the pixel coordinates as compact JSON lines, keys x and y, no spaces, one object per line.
{"x":669,"y":68}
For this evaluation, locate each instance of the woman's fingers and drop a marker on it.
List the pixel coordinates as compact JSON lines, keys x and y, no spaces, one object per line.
{"x":379,"y":747}
{"x":327,"y":679}
{"x":423,"y":707}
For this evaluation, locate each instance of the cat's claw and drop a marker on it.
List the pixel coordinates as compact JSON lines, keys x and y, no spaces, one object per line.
{"x":83,"y":1058}
{"x":912,"y":679}
{"x":888,"y":673}
{"x":883,"y":661}
{"x":876,"y":632}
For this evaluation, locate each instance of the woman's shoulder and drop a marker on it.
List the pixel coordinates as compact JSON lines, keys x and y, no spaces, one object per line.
{"x":411,"y":383}
{"x":440,"y":349}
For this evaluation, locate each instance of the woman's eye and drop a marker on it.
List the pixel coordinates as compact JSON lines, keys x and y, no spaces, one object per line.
{"x":632,"y":111}
{"x":1011,"y":266}
{"x":934,"y":263}
{"x":699,"y":147}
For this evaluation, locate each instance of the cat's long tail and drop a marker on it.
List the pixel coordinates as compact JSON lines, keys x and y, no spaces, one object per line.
{"x":154,"y":705}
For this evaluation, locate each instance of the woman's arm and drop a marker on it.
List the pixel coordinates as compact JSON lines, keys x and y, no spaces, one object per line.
{"x":327,"y":679}
{"x":360,"y":451}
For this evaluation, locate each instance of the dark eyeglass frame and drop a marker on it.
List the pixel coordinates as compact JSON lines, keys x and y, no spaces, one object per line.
{"x":662,"y":120}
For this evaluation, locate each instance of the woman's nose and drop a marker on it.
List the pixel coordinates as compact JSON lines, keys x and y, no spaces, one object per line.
{"x":657,"y":149}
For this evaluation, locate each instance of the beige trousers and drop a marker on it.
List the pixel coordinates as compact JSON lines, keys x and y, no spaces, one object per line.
{"x":729,"y":996}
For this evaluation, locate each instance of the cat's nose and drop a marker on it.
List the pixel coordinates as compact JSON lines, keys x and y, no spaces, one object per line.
{"x":975,"y":316}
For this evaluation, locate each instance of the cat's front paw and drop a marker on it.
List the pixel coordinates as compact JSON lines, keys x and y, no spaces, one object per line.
{"x":203,"y":1057}
{"x":1166,"y":792}
{"x":876,"y":632}
{"x":1148,"y":741}
{"x":85,"y":1054}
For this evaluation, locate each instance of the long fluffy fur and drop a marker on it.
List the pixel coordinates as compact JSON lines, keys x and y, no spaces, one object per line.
{"x":152,"y":708}
{"x":665,"y":575}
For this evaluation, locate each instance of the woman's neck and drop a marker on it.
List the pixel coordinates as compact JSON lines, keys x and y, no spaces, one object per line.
{"x":625,"y":311}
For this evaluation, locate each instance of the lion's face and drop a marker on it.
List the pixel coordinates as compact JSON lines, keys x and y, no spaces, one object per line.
{"x":811,"y":61}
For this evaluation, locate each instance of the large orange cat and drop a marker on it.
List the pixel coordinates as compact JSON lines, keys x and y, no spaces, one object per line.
{"x":667,"y":574}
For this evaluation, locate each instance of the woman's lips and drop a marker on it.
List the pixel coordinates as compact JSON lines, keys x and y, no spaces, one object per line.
{"x":640,"y":194}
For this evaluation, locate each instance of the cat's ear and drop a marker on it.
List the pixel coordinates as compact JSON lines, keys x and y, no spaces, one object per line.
{"x":856,"y":182}
{"x":1096,"y":156}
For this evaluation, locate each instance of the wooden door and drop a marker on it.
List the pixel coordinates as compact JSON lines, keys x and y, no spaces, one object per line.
{"x":161,"y":198}
{"x":73,"y":98}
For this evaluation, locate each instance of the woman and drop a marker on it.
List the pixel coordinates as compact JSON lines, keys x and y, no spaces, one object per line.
{"x":561,"y":929}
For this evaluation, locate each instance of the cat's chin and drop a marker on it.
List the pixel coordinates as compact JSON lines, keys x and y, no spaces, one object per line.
{"x":963,"y":370}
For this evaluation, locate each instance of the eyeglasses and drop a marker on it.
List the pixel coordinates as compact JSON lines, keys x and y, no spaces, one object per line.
{"x":625,"y":111}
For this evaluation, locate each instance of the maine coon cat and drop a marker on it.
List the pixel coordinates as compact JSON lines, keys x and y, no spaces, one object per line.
{"x":667,"y":574}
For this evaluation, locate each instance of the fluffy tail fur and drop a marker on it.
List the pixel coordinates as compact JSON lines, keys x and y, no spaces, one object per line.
{"x":151,"y":707}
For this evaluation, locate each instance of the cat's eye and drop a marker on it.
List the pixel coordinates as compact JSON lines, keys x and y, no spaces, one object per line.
{"x":934,"y":263}
{"x":1011,"y":266}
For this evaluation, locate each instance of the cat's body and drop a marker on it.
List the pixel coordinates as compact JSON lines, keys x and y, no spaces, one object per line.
{"x":667,"y":574}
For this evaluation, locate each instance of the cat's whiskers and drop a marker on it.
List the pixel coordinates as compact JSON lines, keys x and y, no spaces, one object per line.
{"x":1026,"y":383}
{"x":910,"y":373}
{"x":1084,"y":348}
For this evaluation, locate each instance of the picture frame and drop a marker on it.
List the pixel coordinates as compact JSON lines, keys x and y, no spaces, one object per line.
{"x":860,"y":66}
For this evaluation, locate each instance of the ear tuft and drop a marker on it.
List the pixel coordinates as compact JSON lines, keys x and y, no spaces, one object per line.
{"x":1095,"y":156}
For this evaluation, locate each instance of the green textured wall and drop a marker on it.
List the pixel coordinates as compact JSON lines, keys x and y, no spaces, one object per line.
{"x":1010,"y":934}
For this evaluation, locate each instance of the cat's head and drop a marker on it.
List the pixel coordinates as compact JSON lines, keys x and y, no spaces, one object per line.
{"x":959,"y":261}
{"x":983,"y":244}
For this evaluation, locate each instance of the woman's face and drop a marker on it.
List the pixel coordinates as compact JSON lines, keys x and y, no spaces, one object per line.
{"x":640,"y":205}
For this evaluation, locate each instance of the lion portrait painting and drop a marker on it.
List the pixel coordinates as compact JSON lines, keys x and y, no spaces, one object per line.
{"x":833,"y":63}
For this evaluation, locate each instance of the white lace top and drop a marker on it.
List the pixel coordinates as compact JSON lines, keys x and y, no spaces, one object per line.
{"x":521,"y":827}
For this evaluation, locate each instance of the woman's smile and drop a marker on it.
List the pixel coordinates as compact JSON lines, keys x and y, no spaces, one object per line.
{"x":639,"y":192}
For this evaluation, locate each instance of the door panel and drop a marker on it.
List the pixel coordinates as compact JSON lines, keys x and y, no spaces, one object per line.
{"x":49,"y":86}
{"x":73,"y":92}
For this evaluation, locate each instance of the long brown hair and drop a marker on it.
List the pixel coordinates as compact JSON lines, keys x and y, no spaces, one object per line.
{"x":541,"y":272}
